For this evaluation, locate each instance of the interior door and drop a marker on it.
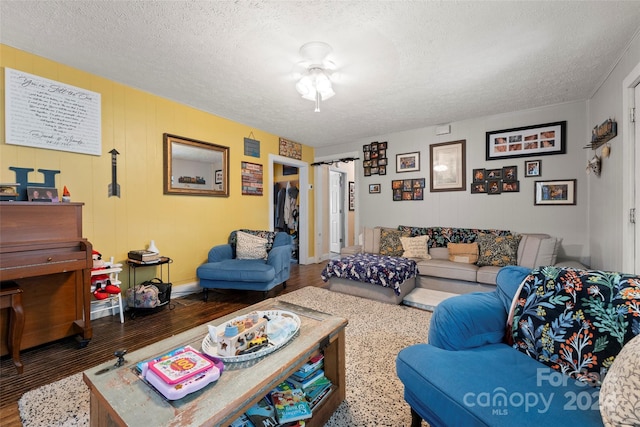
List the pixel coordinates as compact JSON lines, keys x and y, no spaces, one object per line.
{"x":335,"y":211}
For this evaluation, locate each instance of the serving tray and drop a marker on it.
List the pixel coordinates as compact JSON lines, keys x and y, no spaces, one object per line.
{"x":210,"y":347}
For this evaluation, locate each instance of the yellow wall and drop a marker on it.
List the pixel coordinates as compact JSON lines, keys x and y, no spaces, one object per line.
{"x":133,"y":122}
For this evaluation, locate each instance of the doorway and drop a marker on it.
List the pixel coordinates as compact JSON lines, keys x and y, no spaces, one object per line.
{"x":301,"y":238}
{"x":336,"y":211}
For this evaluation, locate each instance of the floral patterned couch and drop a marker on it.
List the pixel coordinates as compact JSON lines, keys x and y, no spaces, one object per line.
{"x":536,"y":349}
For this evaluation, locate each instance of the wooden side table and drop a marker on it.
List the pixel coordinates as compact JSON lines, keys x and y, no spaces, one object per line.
{"x":11,"y":297}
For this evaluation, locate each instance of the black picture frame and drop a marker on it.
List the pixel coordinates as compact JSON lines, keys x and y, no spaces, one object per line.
{"x":527,"y":141}
{"x":352,"y":195}
{"x":532,"y":168}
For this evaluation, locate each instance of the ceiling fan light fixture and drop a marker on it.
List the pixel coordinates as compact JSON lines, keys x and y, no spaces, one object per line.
{"x":315,"y":84}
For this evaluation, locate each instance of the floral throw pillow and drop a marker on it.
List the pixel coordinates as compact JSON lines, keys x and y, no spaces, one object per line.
{"x":576,"y":321}
{"x":390,"y":243}
{"x":497,"y":251}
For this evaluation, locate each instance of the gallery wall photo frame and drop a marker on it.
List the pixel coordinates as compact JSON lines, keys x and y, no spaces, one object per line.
{"x":375,"y":158}
{"x":352,"y":195}
{"x":532,"y":168}
{"x":448,"y":166}
{"x":408,"y":162}
{"x":374,"y":188}
{"x":539,"y":140}
{"x":555,"y":192}
{"x":408,"y":189}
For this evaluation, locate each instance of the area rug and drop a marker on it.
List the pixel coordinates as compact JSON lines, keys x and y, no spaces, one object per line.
{"x":374,"y":395}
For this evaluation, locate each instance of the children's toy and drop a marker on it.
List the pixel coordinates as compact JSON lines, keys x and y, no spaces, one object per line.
{"x":242,"y":333}
{"x":183,"y":373}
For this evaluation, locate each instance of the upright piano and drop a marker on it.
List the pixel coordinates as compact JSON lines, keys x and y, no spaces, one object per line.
{"x":43,"y":251}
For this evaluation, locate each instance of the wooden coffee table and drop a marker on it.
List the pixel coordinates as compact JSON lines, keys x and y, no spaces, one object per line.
{"x":120,"y":397}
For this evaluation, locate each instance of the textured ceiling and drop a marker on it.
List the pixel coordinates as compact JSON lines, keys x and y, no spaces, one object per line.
{"x":400,"y":65}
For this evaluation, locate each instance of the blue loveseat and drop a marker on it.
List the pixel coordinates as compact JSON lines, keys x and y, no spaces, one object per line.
{"x":567,"y":327}
{"x":224,"y":271}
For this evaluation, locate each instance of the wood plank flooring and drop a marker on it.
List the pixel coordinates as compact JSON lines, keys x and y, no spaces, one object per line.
{"x":57,"y":360}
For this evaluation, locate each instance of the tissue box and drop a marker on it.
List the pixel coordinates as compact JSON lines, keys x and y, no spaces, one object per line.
{"x":232,"y":345}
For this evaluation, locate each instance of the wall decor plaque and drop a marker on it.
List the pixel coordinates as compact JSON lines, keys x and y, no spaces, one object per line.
{"x":290,"y":149}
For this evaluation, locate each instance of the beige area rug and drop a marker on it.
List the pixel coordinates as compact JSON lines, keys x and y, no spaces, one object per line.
{"x":374,"y":395}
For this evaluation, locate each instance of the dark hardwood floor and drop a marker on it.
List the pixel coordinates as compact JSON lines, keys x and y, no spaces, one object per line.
{"x":57,"y":360}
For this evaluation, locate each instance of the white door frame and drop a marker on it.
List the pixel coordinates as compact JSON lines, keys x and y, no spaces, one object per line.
{"x":321,"y":209}
{"x":303,"y":214}
{"x":630,"y":174}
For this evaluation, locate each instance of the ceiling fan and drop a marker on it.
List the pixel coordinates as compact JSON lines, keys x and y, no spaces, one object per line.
{"x":315,"y":80}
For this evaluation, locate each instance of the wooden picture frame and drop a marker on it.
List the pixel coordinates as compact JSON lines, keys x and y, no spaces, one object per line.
{"x":191,"y":167}
{"x":555,"y":192}
{"x":539,"y":140}
{"x":448,"y":166}
{"x":532,"y":168}
{"x":408,"y":162}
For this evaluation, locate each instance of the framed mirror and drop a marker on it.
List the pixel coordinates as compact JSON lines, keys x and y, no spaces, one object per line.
{"x":195,"y":168}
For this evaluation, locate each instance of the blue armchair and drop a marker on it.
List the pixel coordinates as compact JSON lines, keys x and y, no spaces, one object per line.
{"x":224,"y":271}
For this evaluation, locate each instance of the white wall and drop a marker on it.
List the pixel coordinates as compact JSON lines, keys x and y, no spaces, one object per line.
{"x":595,"y":231}
{"x":512,"y":211}
{"x":609,"y":227}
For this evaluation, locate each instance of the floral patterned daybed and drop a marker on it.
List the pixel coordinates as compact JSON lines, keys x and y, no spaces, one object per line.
{"x":380,"y":277}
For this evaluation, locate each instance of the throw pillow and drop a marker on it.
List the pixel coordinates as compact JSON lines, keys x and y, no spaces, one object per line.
{"x":497,"y":251}
{"x":576,"y":321}
{"x":536,"y":251}
{"x":415,"y":247}
{"x":249,"y":246}
{"x":390,"y":243}
{"x":620,"y":392}
{"x":463,"y":252}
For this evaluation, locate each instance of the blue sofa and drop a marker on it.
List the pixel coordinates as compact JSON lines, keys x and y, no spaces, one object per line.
{"x":224,"y":271}
{"x":467,"y":375}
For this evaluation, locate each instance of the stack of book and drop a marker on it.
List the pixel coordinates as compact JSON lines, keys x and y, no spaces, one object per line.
{"x":292,"y":401}
{"x":143,"y":256}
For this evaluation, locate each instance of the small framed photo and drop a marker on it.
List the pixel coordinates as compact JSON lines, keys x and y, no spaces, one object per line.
{"x":494,"y":186}
{"x":510,"y":186}
{"x":408,"y":162}
{"x":479,"y":175}
{"x":532,"y":168}
{"x":382,"y":170}
{"x":510,"y":173}
{"x":555,"y":192}
{"x":374,"y":188}
{"x":418,"y":193}
{"x":42,"y":194}
{"x":493,"y":174}
{"x":418,"y":183}
{"x":479,"y":188}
